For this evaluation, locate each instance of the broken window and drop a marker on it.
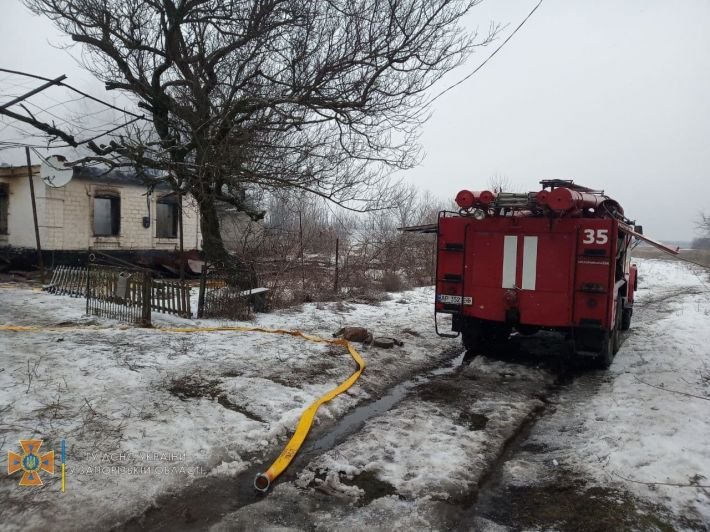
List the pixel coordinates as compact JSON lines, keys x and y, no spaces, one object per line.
{"x":107,"y":214}
{"x":167,"y":213}
{"x":4,"y":202}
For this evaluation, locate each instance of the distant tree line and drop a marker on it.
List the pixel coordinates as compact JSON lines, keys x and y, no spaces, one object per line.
{"x":703,"y":241}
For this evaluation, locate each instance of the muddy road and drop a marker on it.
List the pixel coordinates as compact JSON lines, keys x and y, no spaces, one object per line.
{"x":466,"y":446}
{"x":428,"y":445}
{"x":538,"y":482}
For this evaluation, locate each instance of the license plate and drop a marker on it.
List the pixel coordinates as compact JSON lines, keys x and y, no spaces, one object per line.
{"x":454,"y":300}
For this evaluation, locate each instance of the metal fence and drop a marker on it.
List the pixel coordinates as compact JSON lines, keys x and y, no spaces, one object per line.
{"x":68,"y":281}
{"x":170,"y":297}
{"x":119,"y":294}
{"x":131,"y":295}
{"x":229,"y":293}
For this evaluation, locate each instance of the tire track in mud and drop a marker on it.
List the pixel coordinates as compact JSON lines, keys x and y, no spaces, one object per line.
{"x":553,"y":495}
{"x":491,"y":395}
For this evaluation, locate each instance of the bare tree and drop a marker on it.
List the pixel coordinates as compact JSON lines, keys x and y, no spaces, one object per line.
{"x":703,"y":226}
{"x":499,"y":182}
{"x":325,"y":96}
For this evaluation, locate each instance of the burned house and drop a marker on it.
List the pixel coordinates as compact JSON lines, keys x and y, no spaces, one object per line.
{"x":113,"y":212}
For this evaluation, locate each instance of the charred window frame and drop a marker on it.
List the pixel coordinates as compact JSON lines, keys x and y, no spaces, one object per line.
{"x":167,"y":212}
{"x":4,"y":207}
{"x":107,"y":214}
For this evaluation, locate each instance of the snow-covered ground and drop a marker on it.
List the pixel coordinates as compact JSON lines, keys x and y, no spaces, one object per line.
{"x":144,"y":411}
{"x":213,"y":402}
{"x":645,"y":423}
{"x":409,"y":467}
{"x":440,"y":441}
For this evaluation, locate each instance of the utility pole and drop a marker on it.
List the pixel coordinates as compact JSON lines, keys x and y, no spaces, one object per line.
{"x":4,"y":110}
{"x":34,"y":215}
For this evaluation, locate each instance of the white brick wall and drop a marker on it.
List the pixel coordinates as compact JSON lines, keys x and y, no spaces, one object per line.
{"x":19,"y":219}
{"x":65,"y":217}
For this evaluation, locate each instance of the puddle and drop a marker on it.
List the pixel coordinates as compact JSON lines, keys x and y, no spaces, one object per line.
{"x":373,"y":487}
{"x":473,"y":421}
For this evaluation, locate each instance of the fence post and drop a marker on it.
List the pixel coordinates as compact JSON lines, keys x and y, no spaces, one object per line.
{"x":88,"y":287}
{"x":185,"y":294}
{"x":201,"y":296}
{"x":147,"y":299}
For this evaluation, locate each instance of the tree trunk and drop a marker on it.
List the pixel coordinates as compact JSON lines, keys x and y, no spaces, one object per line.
{"x":212,"y":243}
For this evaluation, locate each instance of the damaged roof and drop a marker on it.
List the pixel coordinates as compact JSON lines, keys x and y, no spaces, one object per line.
{"x":98,"y":174}
{"x":119,"y":177}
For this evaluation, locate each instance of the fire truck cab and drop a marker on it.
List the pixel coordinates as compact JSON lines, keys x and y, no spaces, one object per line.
{"x":557,"y":259}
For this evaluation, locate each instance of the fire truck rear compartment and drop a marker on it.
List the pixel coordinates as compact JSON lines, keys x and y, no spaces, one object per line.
{"x":510,"y":273}
{"x":534,"y":277}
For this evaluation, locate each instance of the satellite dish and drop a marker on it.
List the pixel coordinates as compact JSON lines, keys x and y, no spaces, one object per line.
{"x":55,"y":172}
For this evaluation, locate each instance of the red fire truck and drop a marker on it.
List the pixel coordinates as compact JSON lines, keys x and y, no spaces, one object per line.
{"x":555,"y":259}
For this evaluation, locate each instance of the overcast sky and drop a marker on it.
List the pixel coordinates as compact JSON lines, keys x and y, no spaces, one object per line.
{"x":614,"y":94}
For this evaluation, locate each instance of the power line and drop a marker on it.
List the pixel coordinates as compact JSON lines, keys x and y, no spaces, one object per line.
{"x":98,"y":100}
{"x":479,"y":67}
{"x":51,"y":129}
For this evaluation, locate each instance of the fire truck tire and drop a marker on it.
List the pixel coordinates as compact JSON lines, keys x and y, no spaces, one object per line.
{"x":527,"y":330}
{"x":616,"y":339}
{"x":611,"y":341}
{"x":626,"y":319}
{"x":606,"y":353}
{"x":484,"y":337}
{"x":470,"y":339}
{"x":618,"y":326}
{"x":500,"y":340}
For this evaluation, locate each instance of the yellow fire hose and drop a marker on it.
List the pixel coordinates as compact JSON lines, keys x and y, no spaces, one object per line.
{"x":263,"y":481}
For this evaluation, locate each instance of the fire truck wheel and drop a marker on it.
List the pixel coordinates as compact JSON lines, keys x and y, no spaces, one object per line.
{"x":471,"y":338}
{"x":606,"y":353}
{"x":618,"y":326}
{"x":485,"y":337}
{"x":611,"y":342}
{"x":626,"y":319}
{"x":616,"y":339}
{"x":527,"y":330}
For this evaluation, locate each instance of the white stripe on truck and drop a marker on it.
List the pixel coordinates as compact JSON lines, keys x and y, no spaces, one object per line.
{"x":529,"y":262}
{"x":510,"y":261}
